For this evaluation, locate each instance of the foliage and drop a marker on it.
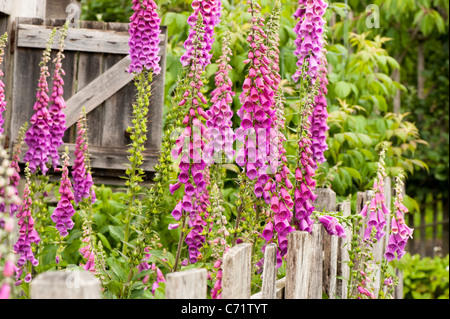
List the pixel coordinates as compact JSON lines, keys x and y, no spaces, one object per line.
{"x":424,"y":278}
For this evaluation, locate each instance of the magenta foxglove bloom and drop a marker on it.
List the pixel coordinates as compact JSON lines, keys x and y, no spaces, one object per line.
{"x":400,"y":232}
{"x":376,"y":211}
{"x":27,"y":234}
{"x":190,"y":147}
{"x":332,"y":226}
{"x":309,"y":42}
{"x":2,"y":87}
{"x":144,"y":37}
{"x":38,"y":137}
{"x":57,"y":115}
{"x":303,"y":194}
{"x":5,"y":291}
{"x":319,"y":117}
{"x":256,"y":132}
{"x":82,"y":178}
{"x":219,"y":123}
{"x":62,"y":215}
{"x":210,"y":11}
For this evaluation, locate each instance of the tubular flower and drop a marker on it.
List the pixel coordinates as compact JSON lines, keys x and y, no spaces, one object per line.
{"x":319,"y":116}
{"x":276,"y":189}
{"x":304,"y":174}
{"x":332,"y":226}
{"x":144,"y":37}
{"x":219,"y":123}
{"x":3,"y":40}
{"x":27,"y":233}
{"x":14,"y":178}
{"x":376,"y":209}
{"x":62,"y":215}
{"x":82,"y":178}
{"x":210,"y":11}
{"x":57,"y":115}
{"x":190,"y":146}
{"x":309,"y":30}
{"x":38,"y":137}
{"x":400,"y":232}
{"x":256,"y":132}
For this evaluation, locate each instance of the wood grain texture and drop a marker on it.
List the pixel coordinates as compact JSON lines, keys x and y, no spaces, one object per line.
{"x":96,"y":92}
{"x":78,"y":39}
{"x":326,"y":200}
{"x":304,"y":265}
{"x":330,"y":255}
{"x":65,"y":285}
{"x":237,"y":267}
{"x":189,"y":284}
{"x":268,"y":289}
{"x":343,"y":270}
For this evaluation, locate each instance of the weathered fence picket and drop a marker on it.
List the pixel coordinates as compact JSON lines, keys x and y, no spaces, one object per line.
{"x":65,"y":285}
{"x":236,"y":277}
{"x":316,"y":265}
{"x":189,"y":284}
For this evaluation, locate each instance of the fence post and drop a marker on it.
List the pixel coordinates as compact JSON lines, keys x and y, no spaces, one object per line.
{"x":304,"y":265}
{"x":189,"y":284}
{"x":269,"y":280}
{"x":77,"y":284}
{"x":236,"y":277}
{"x":343,"y":270}
{"x":326,"y":200}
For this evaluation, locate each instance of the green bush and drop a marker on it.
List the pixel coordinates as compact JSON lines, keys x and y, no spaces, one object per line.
{"x":424,"y":278}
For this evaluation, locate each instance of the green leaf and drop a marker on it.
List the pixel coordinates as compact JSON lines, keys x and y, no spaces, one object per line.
{"x":117,"y":268}
{"x":117,"y":232}
{"x":342,"y":89}
{"x":104,"y":240}
{"x":353,"y":173}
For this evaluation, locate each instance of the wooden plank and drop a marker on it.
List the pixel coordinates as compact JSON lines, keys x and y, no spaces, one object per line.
{"x":330,"y":254}
{"x":118,"y":108}
{"x":189,"y":284}
{"x":279,"y":290}
{"x":268,"y":289}
{"x":90,"y":66}
{"x":343,"y":270}
{"x":326,"y":199}
{"x":78,"y":39}
{"x":237,"y":267}
{"x":304,"y":265}
{"x":65,"y":285}
{"x":97,"y":91}
{"x":112,"y":158}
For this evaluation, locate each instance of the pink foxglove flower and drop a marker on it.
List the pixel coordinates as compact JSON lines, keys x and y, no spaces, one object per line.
{"x":332,"y":226}
{"x":210,"y":11}
{"x":57,"y":115}
{"x":144,"y":41}
{"x":38,"y":137}
{"x":27,"y":233}
{"x":256,"y":132}
{"x":309,"y":30}
{"x":400,"y":232}
{"x":376,"y":210}
{"x":3,"y":40}
{"x":190,"y":147}
{"x":219,"y":123}
{"x":62,"y":215}
{"x":82,"y":178}
{"x":319,"y":116}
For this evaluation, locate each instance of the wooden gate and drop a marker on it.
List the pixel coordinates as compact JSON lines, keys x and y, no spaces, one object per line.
{"x":96,"y":59}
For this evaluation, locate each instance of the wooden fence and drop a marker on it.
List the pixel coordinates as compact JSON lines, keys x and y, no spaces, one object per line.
{"x":315,"y":264}
{"x":430,"y":227}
